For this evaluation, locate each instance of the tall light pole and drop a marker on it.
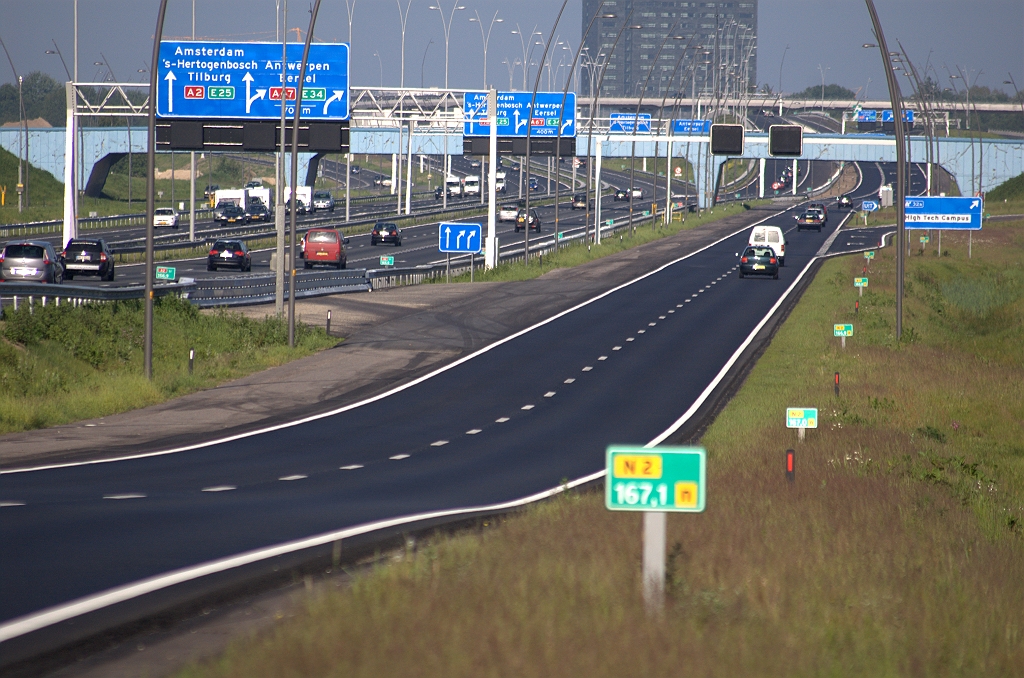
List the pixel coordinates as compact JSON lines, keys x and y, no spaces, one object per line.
{"x":823,"y":72}
{"x":403,"y":18}
{"x":526,"y":52}
{"x":279,"y":208}
{"x":22,"y":173}
{"x":191,"y":161}
{"x":486,"y":38}
{"x":446,"y":24}
{"x":1016,"y":91}
{"x":381,"y":65}
{"x":350,"y":5}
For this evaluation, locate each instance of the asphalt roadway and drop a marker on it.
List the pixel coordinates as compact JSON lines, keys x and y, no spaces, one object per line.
{"x":517,"y":417}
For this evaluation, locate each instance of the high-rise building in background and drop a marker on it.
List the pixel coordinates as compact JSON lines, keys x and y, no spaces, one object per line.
{"x":722,"y":55}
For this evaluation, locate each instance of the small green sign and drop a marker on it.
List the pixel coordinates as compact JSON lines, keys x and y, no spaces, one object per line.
{"x":166,"y":273}
{"x":610,"y":222}
{"x":843,"y":330}
{"x":924,"y":239}
{"x":860,"y":282}
{"x":656,"y":479}
{"x":314,"y":94}
{"x":869,"y":255}
{"x":561,"y":235}
{"x":220,"y":92}
{"x":802,"y":417}
{"x":387,"y":261}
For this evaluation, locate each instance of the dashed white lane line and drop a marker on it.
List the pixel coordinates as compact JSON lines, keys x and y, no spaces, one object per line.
{"x":399,"y":457}
{"x":688,"y":301}
{"x":90,"y":425}
{"x":661,"y":317}
{"x":641,"y":331}
{"x":679,"y":305}
{"x":692,"y":296}
{"x":604,"y":357}
{"x":439,"y":443}
{"x":588,"y":368}
{"x":616,"y":348}
{"x":135,"y":495}
{"x":501,"y":420}
{"x":220,"y":488}
{"x":526,"y":407}
{"x":473,"y":431}
{"x":350,"y":467}
{"x":297,"y":476}
{"x":651,"y":324}
{"x":7,"y":504}
{"x":713,"y":282}
{"x":549,"y":394}
{"x":569,"y":380}
{"x":632,"y":338}
{"x":672,"y":310}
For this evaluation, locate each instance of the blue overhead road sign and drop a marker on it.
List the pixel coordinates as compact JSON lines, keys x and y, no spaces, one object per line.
{"x":868,"y":115}
{"x":624,"y":122}
{"x":514,"y":115}
{"x":887,"y":115}
{"x":691,"y":127}
{"x":462,"y":238}
{"x":242,"y":80}
{"x":944,"y":213}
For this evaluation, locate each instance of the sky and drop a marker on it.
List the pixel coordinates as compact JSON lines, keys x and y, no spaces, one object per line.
{"x":824,"y":37}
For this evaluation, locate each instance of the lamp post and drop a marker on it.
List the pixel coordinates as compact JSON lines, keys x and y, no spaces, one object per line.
{"x":446,"y":24}
{"x":1016,"y":91}
{"x":423,"y":62}
{"x":381,"y":65}
{"x":22,"y":172}
{"x":404,"y":18}
{"x":350,"y":6}
{"x":486,"y":38}
{"x":526,"y":54}
{"x":823,"y":72}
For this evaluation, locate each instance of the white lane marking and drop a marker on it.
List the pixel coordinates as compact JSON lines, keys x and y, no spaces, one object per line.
{"x":501,"y":420}
{"x":549,"y":394}
{"x":616,"y":348}
{"x":6,"y":504}
{"x":526,"y":407}
{"x":641,"y":331}
{"x":699,"y":292}
{"x":631,"y":338}
{"x":439,"y":443}
{"x":604,"y":357}
{"x":661,"y":317}
{"x":679,"y":305}
{"x":569,"y":380}
{"x":350,"y":467}
{"x":651,"y":324}
{"x":713,"y":282}
{"x":473,"y":431}
{"x":297,"y":476}
{"x":688,"y":301}
{"x":135,"y":495}
{"x":397,"y":389}
{"x":90,"y":425}
{"x":588,"y":368}
{"x":399,"y":457}
{"x":692,"y":296}
{"x":220,"y":488}
{"x":672,"y":311}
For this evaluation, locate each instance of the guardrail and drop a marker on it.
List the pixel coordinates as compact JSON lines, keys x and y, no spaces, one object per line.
{"x":28,"y":293}
{"x":260,"y":289}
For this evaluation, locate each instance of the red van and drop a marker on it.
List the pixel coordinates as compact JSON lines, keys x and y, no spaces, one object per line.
{"x":324,"y":246}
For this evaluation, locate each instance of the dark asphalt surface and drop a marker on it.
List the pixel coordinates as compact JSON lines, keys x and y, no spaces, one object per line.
{"x":516,"y":419}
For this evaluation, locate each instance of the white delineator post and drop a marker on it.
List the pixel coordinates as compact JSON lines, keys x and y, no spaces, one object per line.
{"x":492,"y":120}
{"x":654,"y":560}
{"x":70,"y":219}
{"x":796,"y":179}
{"x":760,"y":179}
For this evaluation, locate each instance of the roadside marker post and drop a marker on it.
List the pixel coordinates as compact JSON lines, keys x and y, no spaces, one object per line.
{"x":328,"y":322}
{"x":791,"y":465}
{"x":655,"y":480}
{"x":191,"y":360}
{"x":843,"y":331}
{"x":801,"y":418}
{"x":837,"y":384}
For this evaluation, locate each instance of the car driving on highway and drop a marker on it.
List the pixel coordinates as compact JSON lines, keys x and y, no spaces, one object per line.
{"x":533,"y":221}
{"x":579,"y":201}
{"x":759,"y":261}
{"x":534,"y":184}
{"x":508,"y":212}
{"x":30,"y":261}
{"x":324,"y":246}
{"x":820,"y":207}
{"x":620,"y":194}
{"x":769,"y":236}
{"x":809,"y":220}
{"x":87,"y":257}
{"x":232,"y":214}
{"x":323,"y":200}
{"x":165,"y":216}
{"x":301,"y":206}
{"x":386,"y":233}
{"x":844,"y":202}
{"x":257,"y":211}
{"x":233,"y":253}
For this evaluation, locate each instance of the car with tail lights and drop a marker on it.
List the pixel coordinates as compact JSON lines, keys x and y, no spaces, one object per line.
{"x":88,"y":257}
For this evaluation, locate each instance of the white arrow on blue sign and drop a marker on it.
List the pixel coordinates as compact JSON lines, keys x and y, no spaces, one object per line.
{"x":514,"y":114}
{"x":944,"y":213}
{"x":624,"y":122}
{"x":869,"y":205}
{"x":462,"y":238}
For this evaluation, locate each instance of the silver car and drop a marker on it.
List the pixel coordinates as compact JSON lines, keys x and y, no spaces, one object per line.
{"x":31,"y":261}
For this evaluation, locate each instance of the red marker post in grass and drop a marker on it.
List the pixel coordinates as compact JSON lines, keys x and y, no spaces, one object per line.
{"x":790,"y":465}
{"x":837,"y":384}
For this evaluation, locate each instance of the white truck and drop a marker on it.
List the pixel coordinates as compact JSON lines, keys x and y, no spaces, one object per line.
{"x":453,"y":185}
{"x":305,"y":194}
{"x":499,"y":181}
{"x":236,"y":196}
{"x":471,"y":185}
{"x":263,"y":194}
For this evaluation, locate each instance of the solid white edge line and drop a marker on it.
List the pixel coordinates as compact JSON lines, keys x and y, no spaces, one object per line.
{"x":397,"y":389}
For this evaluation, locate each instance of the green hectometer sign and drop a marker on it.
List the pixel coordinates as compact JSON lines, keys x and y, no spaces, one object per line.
{"x":387,"y":261}
{"x":166,"y":273}
{"x":656,"y":479}
{"x":860,"y":282}
{"x":802,"y":417}
{"x":841,"y":330}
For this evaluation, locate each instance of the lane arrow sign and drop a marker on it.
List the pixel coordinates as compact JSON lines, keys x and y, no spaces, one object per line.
{"x":338,"y":96}
{"x":260,"y":93}
{"x":170,"y":90}
{"x":458,"y":239}
{"x":519,"y":124}
{"x":448,"y":237}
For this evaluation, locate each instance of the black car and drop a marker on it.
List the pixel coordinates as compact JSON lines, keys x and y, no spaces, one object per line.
{"x":534,"y":220}
{"x":579,"y":201}
{"x":257,"y":211}
{"x":386,"y":232}
{"x":759,"y":261}
{"x":232,"y":214}
{"x":439,"y":193}
{"x":845,"y":202}
{"x":229,"y":253}
{"x":621,"y":194}
{"x":88,"y":257}
{"x":210,"y":190}
{"x":809,"y":220}
{"x":301,"y":207}
{"x":354,"y":169}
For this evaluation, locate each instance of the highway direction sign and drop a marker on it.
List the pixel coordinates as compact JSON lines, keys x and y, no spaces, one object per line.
{"x":860,"y":282}
{"x":867,"y":116}
{"x":242,"y":80}
{"x":842,"y":330}
{"x":887,"y":116}
{"x":624,"y":122}
{"x":802,"y":417}
{"x":166,"y":273}
{"x":462,"y":238}
{"x":944,"y":213}
{"x":656,"y":479}
{"x":513,"y":114}
{"x":691,"y":127}
{"x":869,"y":206}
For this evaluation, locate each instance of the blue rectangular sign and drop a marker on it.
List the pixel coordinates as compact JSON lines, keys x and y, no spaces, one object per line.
{"x":691,"y":127}
{"x":625,"y":122}
{"x":869,"y":206}
{"x":908,"y":115}
{"x":242,"y":80}
{"x":869,"y":116}
{"x":462,"y":238}
{"x":513,"y":114}
{"x":944,"y":213}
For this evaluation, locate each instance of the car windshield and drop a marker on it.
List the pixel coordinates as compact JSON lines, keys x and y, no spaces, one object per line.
{"x":323,"y":236}
{"x":322,"y":194}
{"x":164,"y":210}
{"x":23,"y":252}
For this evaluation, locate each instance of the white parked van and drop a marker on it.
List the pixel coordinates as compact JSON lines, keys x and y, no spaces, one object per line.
{"x":773,"y":237}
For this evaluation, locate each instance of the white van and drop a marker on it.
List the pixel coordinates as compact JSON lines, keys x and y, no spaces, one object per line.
{"x":453,"y":184}
{"x":471,"y":185}
{"x":773,"y":237}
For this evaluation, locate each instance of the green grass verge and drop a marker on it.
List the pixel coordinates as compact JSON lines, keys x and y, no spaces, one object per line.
{"x":1012,"y":189}
{"x":896,"y":552}
{"x":63,"y":364}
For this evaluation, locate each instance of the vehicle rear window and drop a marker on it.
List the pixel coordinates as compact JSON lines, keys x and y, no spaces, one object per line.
{"x":758,"y":236}
{"x":23,"y":252}
{"x":323,"y":236}
{"x":760,"y":252}
{"x":227,"y":245}
{"x":773,"y":236}
{"x":87,"y":246}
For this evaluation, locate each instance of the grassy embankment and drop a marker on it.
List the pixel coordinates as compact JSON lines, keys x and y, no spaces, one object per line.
{"x":62,"y":364}
{"x":898,"y":550}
